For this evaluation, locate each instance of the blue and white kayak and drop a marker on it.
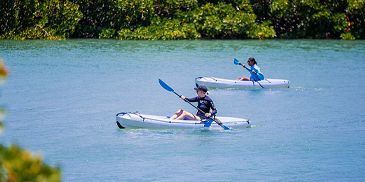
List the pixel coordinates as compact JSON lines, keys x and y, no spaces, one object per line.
{"x":137,"y":120}
{"x":213,"y":82}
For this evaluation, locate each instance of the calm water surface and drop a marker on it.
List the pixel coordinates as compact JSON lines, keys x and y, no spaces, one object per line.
{"x":62,"y":96}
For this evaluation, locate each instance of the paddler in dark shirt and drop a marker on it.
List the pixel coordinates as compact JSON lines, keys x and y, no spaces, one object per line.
{"x":205,"y":103}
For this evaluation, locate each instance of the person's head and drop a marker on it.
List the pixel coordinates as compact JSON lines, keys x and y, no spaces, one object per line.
{"x":251,"y":61}
{"x":201,"y":90}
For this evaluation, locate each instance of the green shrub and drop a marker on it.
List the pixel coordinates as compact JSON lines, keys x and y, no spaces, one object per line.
{"x":107,"y":33}
{"x":161,"y":29}
{"x":347,"y":36}
{"x":37,"y":19}
{"x":222,"y":21}
{"x":356,"y":18}
{"x":168,"y":8}
{"x":211,"y":19}
{"x":262,"y":31}
{"x":17,"y":164}
{"x":135,"y":12}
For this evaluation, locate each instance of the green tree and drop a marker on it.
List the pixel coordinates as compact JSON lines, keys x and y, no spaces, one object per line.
{"x":97,"y":15}
{"x":38,"y":19}
{"x":318,"y":19}
{"x":169,"y":8}
{"x":182,"y":19}
{"x":210,"y":21}
{"x":103,"y":17}
{"x":355,"y":17}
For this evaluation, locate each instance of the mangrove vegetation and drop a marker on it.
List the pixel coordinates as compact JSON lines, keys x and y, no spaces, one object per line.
{"x":182,"y":19}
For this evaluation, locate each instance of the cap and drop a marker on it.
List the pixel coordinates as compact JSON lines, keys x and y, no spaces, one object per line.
{"x":202,"y":88}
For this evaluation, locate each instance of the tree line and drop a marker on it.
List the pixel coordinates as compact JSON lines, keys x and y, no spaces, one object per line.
{"x":182,"y":19}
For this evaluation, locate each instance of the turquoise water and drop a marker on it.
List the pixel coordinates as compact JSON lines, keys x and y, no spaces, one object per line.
{"x":62,"y":96}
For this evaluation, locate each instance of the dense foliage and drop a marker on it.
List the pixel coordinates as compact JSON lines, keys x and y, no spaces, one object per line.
{"x":38,"y":19}
{"x":182,"y":19}
{"x":318,"y":19}
{"x":17,"y":164}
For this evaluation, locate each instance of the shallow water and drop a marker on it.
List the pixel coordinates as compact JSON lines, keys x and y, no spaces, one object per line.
{"x":62,"y":96}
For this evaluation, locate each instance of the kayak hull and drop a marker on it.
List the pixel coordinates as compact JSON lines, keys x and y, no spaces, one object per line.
{"x":137,"y":120}
{"x":213,"y":82}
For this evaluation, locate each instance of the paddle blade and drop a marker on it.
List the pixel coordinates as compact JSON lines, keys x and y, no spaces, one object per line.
{"x":224,"y":127}
{"x":165,"y":86}
{"x":236,"y":62}
{"x":208,"y":122}
{"x":219,"y":122}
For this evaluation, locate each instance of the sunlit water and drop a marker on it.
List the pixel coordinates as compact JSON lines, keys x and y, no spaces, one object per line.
{"x":62,"y":96}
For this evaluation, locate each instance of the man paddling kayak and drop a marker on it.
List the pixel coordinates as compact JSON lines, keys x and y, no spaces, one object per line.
{"x":254,"y":70}
{"x":205,"y":104}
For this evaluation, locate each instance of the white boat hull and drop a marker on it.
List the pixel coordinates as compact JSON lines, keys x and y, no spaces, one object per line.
{"x":213,"y":82}
{"x":137,"y":120}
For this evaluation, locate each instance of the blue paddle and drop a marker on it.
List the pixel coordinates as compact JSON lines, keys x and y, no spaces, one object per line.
{"x":206,"y":123}
{"x":259,"y":75}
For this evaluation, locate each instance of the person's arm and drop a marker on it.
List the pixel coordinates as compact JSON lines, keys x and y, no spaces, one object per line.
{"x":258,"y":72}
{"x":213,"y":109}
{"x":248,"y":69}
{"x":256,"y":69}
{"x":194,"y":99}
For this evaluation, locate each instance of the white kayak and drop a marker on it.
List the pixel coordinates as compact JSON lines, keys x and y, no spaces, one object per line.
{"x":213,"y":82}
{"x":137,"y":120}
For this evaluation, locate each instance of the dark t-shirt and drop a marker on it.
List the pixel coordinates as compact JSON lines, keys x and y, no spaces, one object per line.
{"x":205,"y":104}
